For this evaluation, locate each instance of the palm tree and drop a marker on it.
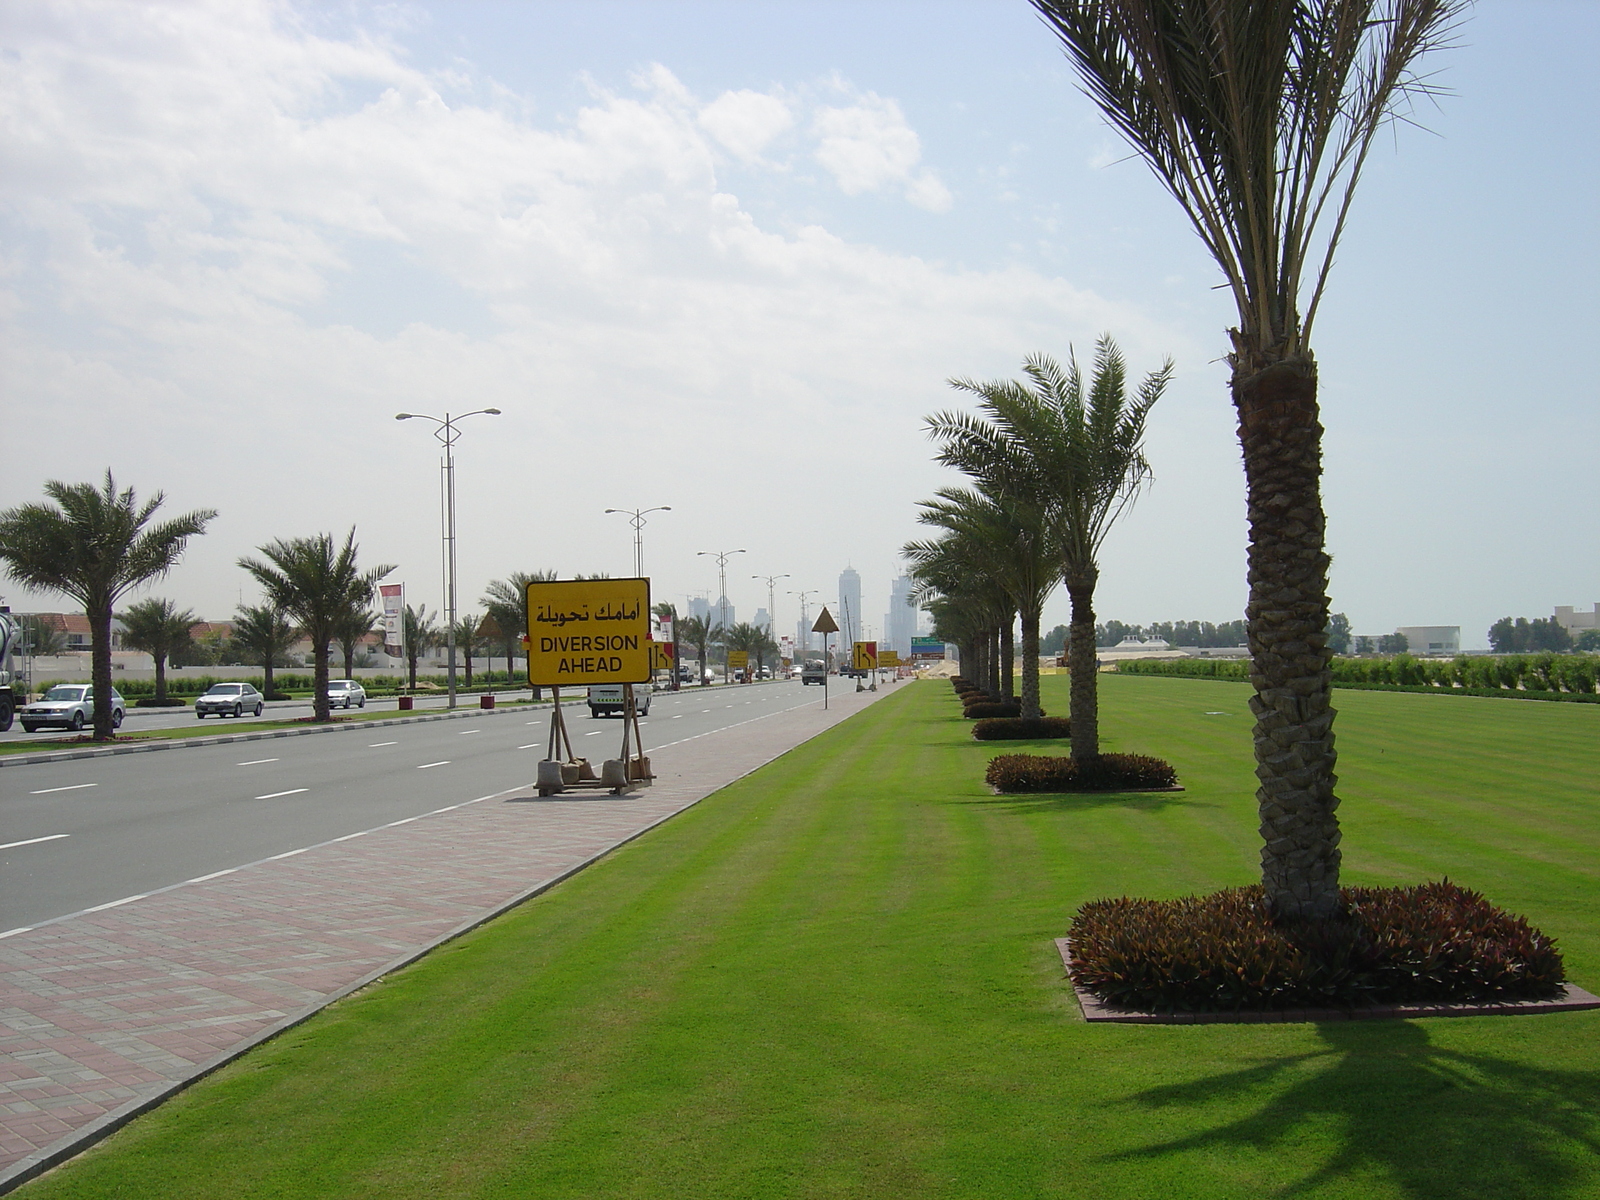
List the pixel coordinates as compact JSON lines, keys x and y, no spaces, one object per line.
{"x":669,"y":612}
{"x":743,"y":636}
{"x":93,"y":546}
{"x":1067,"y":460}
{"x":699,"y":632}
{"x":763,"y":647}
{"x":266,"y":633}
{"x":160,"y":630}
{"x":40,"y":636}
{"x":1023,"y":556}
{"x":350,"y":629}
{"x":506,"y":603}
{"x":317,"y":582}
{"x":421,"y":631}
{"x":468,"y":639}
{"x":953,"y":580}
{"x":1257,"y":118}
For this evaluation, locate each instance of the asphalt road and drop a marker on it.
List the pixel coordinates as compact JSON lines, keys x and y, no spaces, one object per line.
{"x":90,"y":832}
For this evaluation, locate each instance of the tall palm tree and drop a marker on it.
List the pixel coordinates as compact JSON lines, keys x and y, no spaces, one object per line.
{"x":317,"y":582}
{"x":742,"y":635}
{"x":92,"y":545}
{"x":468,"y":640}
{"x":421,"y":631}
{"x":1023,"y":554}
{"x":1257,"y":117}
{"x":699,"y":632}
{"x":1068,"y":459}
{"x":265,"y":632}
{"x":506,"y":601}
{"x":160,"y":630}
{"x":952,"y":578}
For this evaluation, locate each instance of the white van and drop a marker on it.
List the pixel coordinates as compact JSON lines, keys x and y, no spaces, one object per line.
{"x":607,"y":698}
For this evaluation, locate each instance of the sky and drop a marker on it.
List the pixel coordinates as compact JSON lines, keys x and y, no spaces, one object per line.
{"x":725,"y":257}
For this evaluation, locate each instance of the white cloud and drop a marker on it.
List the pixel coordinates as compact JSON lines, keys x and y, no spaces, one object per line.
{"x":746,"y":122}
{"x":868,"y":146}
{"x":209,"y":203}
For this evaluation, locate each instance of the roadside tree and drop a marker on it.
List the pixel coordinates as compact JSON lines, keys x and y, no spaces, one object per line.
{"x":316,"y":581}
{"x":700,"y":633}
{"x":506,"y":602}
{"x":422,"y":633}
{"x":1257,"y":118}
{"x":265,"y":632}
{"x":161,"y":631}
{"x":92,"y":545}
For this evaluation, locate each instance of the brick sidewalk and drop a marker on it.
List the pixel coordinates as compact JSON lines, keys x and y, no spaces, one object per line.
{"x":104,"y":1014}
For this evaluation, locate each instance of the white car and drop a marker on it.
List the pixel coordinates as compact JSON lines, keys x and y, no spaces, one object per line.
{"x":71,"y":706}
{"x":607,"y":698}
{"x":343,"y":693}
{"x":228,"y":700}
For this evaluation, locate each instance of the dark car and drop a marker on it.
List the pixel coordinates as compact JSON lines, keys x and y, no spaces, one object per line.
{"x":70,"y":706}
{"x":228,"y":700}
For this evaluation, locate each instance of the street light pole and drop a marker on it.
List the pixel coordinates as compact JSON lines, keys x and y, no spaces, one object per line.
{"x":636,"y":519}
{"x":447,"y":433}
{"x":772,"y":603}
{"x":805,"y":617}
{"x":722,"y":557}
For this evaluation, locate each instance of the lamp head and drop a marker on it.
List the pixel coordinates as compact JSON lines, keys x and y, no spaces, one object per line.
{"x":404,"y":416}
{"x":493,"y":412}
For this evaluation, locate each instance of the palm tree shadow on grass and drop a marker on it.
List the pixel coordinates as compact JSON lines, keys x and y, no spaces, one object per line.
{"x":1435,"y":1121}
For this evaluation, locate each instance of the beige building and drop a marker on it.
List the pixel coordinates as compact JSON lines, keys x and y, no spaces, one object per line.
{"x":1575,"y":622}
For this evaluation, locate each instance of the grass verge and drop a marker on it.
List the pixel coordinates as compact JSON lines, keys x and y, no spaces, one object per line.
{"x":835,"y":978}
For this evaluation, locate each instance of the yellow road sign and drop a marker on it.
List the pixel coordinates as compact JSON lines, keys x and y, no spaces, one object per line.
{"x":738,"y":660}
{"x":583,"y":631}
{"x":661,"y":656}
{"x":865,"y":657}
{"x":888,"y":658}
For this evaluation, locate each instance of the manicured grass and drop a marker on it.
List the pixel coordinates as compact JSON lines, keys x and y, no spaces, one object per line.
{"x":835,"y":978}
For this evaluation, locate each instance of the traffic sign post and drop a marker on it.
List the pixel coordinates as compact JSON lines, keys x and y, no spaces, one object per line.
{"x":825,"y":625}
{"x":739,"y":660}
{"x":585,"y":632}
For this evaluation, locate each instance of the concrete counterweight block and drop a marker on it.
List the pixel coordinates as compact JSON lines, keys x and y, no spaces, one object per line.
{"x":614,"y":773}
{"x":552,"y":776}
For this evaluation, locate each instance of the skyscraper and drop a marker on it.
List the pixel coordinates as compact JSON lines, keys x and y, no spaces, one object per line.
{"x":849,"y":615}
{"x":722,"y":616}
{"x":901,"y":624}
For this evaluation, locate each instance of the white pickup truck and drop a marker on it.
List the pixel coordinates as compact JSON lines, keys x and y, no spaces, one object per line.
{"x":607,"y":698}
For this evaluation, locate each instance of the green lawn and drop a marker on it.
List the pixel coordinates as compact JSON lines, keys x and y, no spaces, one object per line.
{"x":835,"y":978}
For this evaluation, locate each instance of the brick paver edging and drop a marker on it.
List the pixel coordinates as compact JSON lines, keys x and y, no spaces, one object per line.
{"x":1572,"y":999}
{"x":145,"y":747}
{"x":105,"y":1014}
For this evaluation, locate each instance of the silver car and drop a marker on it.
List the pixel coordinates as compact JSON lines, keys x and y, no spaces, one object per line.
{"x":71,"y":706}
{"x":228,"y":700}
{"x":343,"y":693}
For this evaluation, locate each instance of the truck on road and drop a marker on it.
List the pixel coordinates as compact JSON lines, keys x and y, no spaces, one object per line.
{"x":11,"y":695}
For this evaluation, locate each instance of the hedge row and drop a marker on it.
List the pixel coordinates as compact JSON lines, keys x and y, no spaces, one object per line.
{"x":1108,"y":773}
{"x":1224,"y":952}
{"x":1567,"y":675}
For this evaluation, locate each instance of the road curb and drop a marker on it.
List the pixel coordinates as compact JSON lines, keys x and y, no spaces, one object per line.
{"x":23,"y":760}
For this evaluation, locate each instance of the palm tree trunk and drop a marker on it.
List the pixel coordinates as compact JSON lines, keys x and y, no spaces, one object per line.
{"x":1008,"y":658}
{"x":267,"y":687}
{"x":321,"y":710}
{"x":1030,"y":663}
{"x":349,"y":660}
{"x":1084,"y":711}
{"x":1281,"y":435}
{"x":411,"y":669}
{"x":161,"y":679}
{"x":99,"y":615}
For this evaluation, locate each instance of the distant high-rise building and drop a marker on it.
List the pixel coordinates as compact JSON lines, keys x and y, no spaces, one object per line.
{"x":849,"y":614}
{"x":722,"y":614}
{"x":803,"y":635}
{"x":900,"y":626}
{"x":762,"y":620}
{"x":700,"y":607}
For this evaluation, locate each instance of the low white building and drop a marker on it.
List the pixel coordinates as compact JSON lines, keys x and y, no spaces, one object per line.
{"x":1432,"y":639}
{"x":1575,"y":622}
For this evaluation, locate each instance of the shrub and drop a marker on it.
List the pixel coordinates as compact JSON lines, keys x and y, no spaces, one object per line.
{"x":992,"y":708}
{"x":1002,"y":729}
{"x":152,"y":702}
{"x":1108,"y":773}
{"x":1223,"y":952}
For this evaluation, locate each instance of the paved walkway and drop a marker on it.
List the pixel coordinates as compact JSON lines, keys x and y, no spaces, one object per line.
{"x":105,"y":1013}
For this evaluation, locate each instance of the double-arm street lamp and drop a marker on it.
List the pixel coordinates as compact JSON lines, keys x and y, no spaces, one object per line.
{"x":772,"y":605}
{"x":447,"y":433}
{"x":636,"y":519}
{"x":805,"y":618}
{"x":722,"y":557}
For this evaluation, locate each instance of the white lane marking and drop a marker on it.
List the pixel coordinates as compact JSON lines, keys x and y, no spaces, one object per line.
{"x":290,"y":792}
{"x":529,"y":746}
{"x":375,"y":745}
{"x":71,"y":787}
{"x":442,"y":763}
{"x":678,"y":717}
{"x":286,"y":854}
{"x":255,"y":762}
{"x":464,"y":732}
{"x":594,"y":733}
{"x":32,"y":841}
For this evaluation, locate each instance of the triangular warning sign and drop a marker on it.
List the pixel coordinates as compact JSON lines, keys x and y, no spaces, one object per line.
{"x":825,"y":622}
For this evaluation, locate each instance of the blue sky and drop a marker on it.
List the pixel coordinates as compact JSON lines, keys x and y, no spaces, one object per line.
{"x":723,"y":257}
